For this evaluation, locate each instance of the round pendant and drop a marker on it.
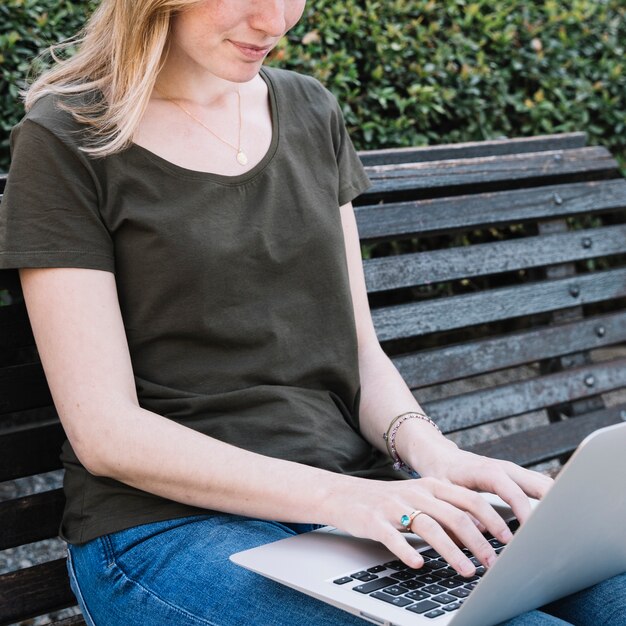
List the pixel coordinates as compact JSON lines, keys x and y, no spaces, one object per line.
{"x":242,"y":159}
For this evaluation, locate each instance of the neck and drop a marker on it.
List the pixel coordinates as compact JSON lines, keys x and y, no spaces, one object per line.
{"x":196,"y":85}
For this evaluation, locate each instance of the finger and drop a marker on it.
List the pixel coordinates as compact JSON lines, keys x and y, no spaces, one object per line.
{"x":476,"y":508}
{"x":433,"y":533}
{"x":481,"y":527}
{"x":396,"y":542}
{"x":504,"y":486}
{"x":458,"y":523}
{"x":534,"y":484}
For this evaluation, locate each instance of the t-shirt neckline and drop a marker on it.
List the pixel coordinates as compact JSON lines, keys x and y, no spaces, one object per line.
{"x":221,"y":178}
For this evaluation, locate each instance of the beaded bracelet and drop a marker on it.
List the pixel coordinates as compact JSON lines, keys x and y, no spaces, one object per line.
{"x":390,"y":438}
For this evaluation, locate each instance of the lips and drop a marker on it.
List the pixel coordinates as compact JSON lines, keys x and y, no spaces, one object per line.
{"x":251,"y":51}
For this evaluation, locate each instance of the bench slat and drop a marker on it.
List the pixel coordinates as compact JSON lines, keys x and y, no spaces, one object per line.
{"x":420,"y":318}
{"x":423,"y":268}
{"x":493,"y":147}
{"x":29,"y":451}
{"x":15,"y":330}
{"x":497,"y":208}
{"x":488,"y":405}
{"x":31,"y":518}
{"x":551,"y":441}
{"x":506,"y":171}
{"x":10,"y":279}
{"x":23,"y":387}
{"x":430,"y":367}
{"x":75,"y":620}
{"x":34,"y":591}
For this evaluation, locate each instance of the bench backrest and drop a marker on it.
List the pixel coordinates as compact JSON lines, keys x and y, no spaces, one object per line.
{"x":505,"y":291}
{"x":497,"y":277}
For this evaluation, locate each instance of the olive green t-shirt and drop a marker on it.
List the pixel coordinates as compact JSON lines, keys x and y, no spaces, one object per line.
{"x":233,"y":289}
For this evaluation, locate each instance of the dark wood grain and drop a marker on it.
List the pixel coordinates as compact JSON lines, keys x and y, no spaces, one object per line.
{"x":29,"y":451}
{"x":407,"y":270}
{"x":545,"y":443}
{"x":473,"y":358}
{"x":508,"y":171}
{"x":493,"y":147}
{"x":34,"y":591}
{"x":441,"y":215}
{"x":23,"y":387}
{"x":31,"y":518}
{"x":15,"y":330}
{"x":419,"y":318}
{"x":75,"y":620}
{"x":464,"y":411}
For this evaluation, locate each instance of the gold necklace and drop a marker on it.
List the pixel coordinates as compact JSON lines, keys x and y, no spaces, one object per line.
{"x":242,"y":157}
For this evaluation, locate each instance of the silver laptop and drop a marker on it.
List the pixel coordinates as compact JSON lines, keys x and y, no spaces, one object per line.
{"x":575,"y":537}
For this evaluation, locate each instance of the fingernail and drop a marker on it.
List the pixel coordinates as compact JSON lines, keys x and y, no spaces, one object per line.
{"x":506,"y":535}
{"x":467,"y":569}
{"x":491,"y":559}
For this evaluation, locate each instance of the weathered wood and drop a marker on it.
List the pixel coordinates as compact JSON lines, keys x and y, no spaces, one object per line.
{"x":491,"y":173}
{"x":34,"y":591}
{"x":563,"y":270}
{"x":31,"y":518}
{"x":420,"y":318}
{"x":441,"y":215}
{"x":494,"y":147}
{"x":425,"y":268}
{"x":495,"y":403}
{"x":15,"y":330}
{"x":473,"y":358}
{"x":29,"y":451}
{"x":23,"y":387}
{"x":545,"y":443}
{"x":75,"y":620}
{"x":10,"y":279}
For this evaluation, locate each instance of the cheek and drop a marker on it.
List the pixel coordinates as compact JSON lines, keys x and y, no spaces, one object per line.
{"x":293,"y":12}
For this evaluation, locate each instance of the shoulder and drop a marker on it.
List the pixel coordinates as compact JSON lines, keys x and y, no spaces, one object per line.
{"x":51,"y":116}
{"x":301,"y":88}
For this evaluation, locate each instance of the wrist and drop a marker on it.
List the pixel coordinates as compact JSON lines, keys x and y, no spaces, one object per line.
{"x":420,"y":445}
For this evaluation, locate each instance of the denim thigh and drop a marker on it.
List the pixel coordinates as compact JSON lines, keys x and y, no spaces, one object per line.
{"x":178,"y":572}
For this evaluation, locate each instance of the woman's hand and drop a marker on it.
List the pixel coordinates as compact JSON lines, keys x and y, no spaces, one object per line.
{"x":447,"y":517}
{"x":452,"y":513}
{"x":438,"y":457}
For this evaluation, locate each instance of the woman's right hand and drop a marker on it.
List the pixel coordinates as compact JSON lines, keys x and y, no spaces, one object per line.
{"x":449,"y":515}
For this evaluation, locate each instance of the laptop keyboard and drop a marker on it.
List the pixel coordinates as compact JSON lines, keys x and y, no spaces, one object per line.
{"x":433,"y":590}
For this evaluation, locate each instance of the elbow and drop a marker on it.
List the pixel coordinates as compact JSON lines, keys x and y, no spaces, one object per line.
{"x":90,"y":455}
{"x":94,"y":439}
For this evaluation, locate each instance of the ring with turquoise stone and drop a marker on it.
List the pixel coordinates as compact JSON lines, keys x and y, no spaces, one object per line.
{"x":407,"y":520}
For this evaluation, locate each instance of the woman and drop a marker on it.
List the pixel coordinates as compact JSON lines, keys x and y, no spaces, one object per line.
{"x":182,"y":223}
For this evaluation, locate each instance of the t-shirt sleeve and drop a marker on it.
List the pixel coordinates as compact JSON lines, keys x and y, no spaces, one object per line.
{"x":352,"y":177}
{"x":49,"y":213}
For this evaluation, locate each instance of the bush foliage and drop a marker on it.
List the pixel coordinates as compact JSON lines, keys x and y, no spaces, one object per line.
{"x":416,"y":72}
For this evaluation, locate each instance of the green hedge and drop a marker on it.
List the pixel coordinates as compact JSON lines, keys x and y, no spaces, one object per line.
{"x":415,"y":72}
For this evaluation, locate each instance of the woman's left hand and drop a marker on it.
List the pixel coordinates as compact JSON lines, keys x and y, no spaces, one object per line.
{"x":441,"y":458}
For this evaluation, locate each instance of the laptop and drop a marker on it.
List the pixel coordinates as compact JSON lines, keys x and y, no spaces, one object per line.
{"x":574,"y":538}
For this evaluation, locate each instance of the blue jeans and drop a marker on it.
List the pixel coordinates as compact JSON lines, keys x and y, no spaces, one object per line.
{"x":178,"y":573}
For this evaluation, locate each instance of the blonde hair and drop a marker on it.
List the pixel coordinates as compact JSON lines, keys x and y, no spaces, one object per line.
{"x":119,"y":55}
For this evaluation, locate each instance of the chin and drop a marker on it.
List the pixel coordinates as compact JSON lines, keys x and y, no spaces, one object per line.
{"x":242,"y":74}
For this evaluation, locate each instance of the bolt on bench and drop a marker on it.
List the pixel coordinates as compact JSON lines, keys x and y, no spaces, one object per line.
{"x":497,"y":277}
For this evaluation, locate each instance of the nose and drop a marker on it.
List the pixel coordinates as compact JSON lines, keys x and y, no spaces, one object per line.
{"x":268,"y":16}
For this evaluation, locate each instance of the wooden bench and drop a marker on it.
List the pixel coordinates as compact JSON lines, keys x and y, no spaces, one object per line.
{"x":497,"y":280}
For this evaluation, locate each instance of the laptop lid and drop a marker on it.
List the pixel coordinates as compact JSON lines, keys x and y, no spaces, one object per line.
{"x":574,"y":538}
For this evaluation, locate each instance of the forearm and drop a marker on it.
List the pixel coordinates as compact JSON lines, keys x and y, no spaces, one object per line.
{"x":160,"y":456}
{"x":384,"y":395}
